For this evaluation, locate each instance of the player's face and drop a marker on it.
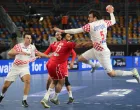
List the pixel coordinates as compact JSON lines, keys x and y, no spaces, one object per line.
{"x":91,"y":18}
{"x":58,"y":36}
{"x":68,"y":37}
{"x":28,"y":39}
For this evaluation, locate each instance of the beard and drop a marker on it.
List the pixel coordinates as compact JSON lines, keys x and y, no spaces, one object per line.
{"x":58,"y":39}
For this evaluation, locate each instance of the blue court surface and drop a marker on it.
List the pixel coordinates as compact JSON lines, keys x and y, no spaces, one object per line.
{"x":95,"y":91}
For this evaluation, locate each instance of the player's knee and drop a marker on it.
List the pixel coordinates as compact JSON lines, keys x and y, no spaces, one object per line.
{"x":27,"y":81}
{"x":67,"y":83}
{"x":81,"y":58}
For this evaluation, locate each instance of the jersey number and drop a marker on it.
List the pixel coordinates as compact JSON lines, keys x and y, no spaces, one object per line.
{"x":102,"y":35}
{"x":58,"y":48}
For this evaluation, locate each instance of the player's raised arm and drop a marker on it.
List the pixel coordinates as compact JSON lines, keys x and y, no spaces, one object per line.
{"x":69,"y":31}
{"x":110,"y":10}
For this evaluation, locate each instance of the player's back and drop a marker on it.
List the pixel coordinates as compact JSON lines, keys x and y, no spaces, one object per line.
{"x":62,"y":51}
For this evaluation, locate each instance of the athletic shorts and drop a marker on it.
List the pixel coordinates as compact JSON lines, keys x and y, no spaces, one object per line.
{"x":17,"y":71}
{"x":55,"y":70}
{"x":102,"y":56}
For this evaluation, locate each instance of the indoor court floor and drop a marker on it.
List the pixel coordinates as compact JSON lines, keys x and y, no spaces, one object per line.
{"x":95,"y":91}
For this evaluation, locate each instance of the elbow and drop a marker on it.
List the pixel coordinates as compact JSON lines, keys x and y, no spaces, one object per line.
{"x":9,"y":53}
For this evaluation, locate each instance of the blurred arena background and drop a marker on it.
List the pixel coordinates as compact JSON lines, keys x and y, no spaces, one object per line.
{"x":40,"y":16}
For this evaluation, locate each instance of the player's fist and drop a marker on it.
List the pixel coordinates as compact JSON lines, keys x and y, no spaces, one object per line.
{"x":110,"y":9}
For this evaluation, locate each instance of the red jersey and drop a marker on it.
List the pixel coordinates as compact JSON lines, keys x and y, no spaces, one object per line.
{"x":62,"y":51}
{"x":51,"y":48}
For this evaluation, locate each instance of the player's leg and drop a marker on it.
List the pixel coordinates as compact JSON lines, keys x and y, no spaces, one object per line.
{"x":60,"y":75}
{"x":68,"y":87}
{"x":26,"y":80}
{"x":118,"y":73}
{"x":11,"y":77}
{"x":4,"y":89}
{"x":44,"y":101}
{"x":48,"y":82}
{"x":58,"y":89}
{"x":105,"y":61}
{"x":86,"y":58}
{"x":51,"y":67}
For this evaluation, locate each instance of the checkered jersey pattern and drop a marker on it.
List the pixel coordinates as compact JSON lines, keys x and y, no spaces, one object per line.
{"x":18,"y":48}
{"x":20,"y":62}
{"x":97,"y":46}
{"x":108,"y":22}
{"x":25,"y":59}
{"x":86,"y":28}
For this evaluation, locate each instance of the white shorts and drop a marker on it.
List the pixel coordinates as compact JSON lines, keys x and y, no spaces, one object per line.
{"x":17,"y":71}
{"x":102,"y":56}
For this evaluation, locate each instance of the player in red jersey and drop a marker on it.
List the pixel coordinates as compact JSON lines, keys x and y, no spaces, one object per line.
{"x":56,"y":66}
{"x":52,"y":48}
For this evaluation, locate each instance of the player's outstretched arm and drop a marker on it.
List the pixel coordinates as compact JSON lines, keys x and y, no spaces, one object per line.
{"x":110,"y":10}
{"x":42,"y":55}
{"x":13,"y":52}
{"x":69,"y":31}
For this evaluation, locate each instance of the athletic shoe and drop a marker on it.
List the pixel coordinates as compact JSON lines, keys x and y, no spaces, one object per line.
{"x":44,"y":102}
{"x":71,"y":100}
{"x":24,"y":103}
{"x":1,"y":97}
{"x":56,"y":102}
{"x":136,"y":75}
{"x":94,"y":68}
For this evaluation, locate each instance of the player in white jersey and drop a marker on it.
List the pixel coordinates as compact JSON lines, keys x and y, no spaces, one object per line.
{"x":97,"y":28}
{"x":24,"y":54}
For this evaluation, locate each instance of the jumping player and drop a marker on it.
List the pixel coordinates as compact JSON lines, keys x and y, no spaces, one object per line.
{"x":97,"y":28}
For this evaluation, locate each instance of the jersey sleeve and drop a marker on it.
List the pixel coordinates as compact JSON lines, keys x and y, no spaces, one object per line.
{"x":17,"y":48}
{"x":71,"y":45}
{"x":86,"y":28}
{"x":49,"y":49}
{"x":108,"y":22}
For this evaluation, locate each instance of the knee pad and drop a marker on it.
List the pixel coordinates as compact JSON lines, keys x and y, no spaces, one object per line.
{"x":67,"y":81}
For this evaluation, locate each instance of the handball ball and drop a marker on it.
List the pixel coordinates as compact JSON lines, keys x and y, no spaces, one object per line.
{"x":108,"y":6}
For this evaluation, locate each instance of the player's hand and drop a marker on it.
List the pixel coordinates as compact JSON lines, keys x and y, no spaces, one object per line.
{"x":110,"y":9}
{"x":38,"y":56}
{"x":58,"y":30}
{"x":71,"y":65}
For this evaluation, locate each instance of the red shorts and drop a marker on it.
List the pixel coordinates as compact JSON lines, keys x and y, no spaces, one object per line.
{"x":56,"y":71}
{"x":66,"y":73}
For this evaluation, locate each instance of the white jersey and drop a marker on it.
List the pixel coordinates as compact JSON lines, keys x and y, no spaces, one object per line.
{"x":24,"y":60}
{"x":98,"y":32}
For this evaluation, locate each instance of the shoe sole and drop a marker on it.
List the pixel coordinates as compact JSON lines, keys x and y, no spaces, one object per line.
{"x":25,"y":106}
{"x":70,"y":102}
{"x":44,"y":104}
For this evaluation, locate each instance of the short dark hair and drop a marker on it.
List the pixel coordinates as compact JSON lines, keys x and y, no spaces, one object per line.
{"x":95,"y":14}
{"x":26,"y":33}
{"x":64,"y":35}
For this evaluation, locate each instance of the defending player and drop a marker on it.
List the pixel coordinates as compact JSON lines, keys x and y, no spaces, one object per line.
{"x":56,"y":66}
{"x":51,"y":49}
{"x":24,"y":54}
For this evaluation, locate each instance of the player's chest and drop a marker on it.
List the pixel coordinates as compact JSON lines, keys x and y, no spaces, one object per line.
{"x":28,"y":50}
